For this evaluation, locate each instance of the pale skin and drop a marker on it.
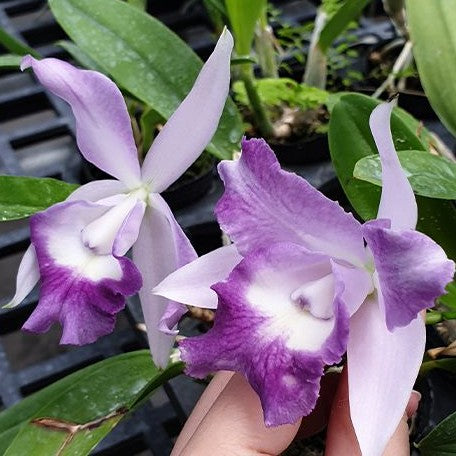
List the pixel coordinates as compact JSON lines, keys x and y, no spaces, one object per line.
{"x":228,"y":421}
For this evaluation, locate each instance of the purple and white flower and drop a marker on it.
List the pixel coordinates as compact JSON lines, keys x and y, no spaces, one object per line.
{"x":304,"y":282}
{"x":78,"y":246}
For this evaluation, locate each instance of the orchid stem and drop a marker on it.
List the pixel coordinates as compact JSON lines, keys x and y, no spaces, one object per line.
{"x":260,"y":115}
{"x":402,"y":62}
{"x":316,"y":71}
{"x":265,"y":48}
{"x":396,"y":11}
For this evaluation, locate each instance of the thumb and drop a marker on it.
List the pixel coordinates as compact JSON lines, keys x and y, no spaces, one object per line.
{"x":234,"y":426}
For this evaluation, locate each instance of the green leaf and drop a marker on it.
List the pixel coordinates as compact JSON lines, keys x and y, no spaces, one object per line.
{"x":243,"y":17}
{"x":441,"y":441}
{"x":23,"y":196}
{"x":437,"y":219}
{"x":435,"y":316}
{"x":140,"y":4}
{"x":350,"y":140}
{"x":276,"y":92}
{"x":243,"y":59}
{"x":434,"y":49}
{"x":144,"y":57}
{"x":10,"y":61}
{"x":447,"y":364}
{"x":15,"y":46}
{"x":429,"y":175}
{"x":449,"y":299}
{"x":73,"y":414}
{"x":349,"y":11}
{"x":79,"y":55}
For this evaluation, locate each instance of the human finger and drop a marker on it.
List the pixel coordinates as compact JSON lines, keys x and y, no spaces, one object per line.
{"x":234,"y":425}
{"x":203,"y":405}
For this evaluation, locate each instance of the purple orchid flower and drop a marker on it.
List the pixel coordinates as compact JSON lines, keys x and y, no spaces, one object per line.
{"x":304,"y":281}
{"x":78,"y":246}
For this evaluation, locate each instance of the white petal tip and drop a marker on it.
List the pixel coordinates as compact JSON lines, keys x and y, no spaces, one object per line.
{"x":26,"y":62}
{"x":10,"y":305}
{"x":226,"y":38}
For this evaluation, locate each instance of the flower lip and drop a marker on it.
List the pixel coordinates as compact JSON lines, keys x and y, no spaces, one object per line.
{"x":80,"y":289}
{"x":260,"y":331}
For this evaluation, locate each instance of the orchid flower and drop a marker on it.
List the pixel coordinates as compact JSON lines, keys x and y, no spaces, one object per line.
{"x":304,"y":281}
{"x":78,"y":246}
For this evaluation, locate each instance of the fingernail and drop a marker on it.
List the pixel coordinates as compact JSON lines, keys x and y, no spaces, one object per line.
{"x":413,"y":403}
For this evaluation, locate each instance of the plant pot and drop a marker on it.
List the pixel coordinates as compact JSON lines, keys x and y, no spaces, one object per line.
{"x":205,"y":237}
{"x":412,"y":98}
{"x":90,"y":172}
{"x":186,"y":190}
{"x":302,"y":151}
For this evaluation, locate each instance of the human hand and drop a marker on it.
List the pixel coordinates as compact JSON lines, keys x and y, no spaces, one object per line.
{"x":228,"y":420}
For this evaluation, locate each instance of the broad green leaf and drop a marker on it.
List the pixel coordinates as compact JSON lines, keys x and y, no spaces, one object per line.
{"x":437,"y":219}
{"x":73,"y":414}
{"x":441,"y":441}
{"x":433,"y":34}
{"x":449,"y":299}
{"x":23,"y":196}
{"x":243,"y":16}
{"x":15,"y":46}
{"x":143,"y":57}
{"x":350,"y":140}
{"x":10,"y":61}
{"x":140,"y":4}
{"x":79,"y":55}
{"x":349,"y":11}
{"x":429,"y":175}
{"x":447,"y":364}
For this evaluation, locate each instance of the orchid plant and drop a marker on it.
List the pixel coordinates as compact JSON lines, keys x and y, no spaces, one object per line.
{"x":280,"y":108}
{"x":304,"y":282}
{"x":78,"y":246}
